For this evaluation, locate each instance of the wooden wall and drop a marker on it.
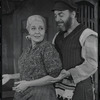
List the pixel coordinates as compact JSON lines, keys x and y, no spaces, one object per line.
{"x":7,"y":48}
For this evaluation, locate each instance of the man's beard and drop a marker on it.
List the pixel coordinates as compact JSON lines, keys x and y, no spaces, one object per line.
{"x":66,"y":25}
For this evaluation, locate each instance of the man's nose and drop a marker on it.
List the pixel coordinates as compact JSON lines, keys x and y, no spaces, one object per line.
{"x":57,"y":18}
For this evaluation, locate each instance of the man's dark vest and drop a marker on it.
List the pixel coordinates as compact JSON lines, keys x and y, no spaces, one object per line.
{"x":70,"y":48}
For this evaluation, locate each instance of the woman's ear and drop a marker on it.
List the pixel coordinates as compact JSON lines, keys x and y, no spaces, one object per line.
{"x":28,"y":37}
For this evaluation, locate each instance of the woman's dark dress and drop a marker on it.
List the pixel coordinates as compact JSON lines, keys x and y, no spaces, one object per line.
{"x":34,"y":64}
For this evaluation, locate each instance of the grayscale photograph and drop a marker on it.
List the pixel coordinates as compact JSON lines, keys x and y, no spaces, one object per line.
{"x":49,"y":50}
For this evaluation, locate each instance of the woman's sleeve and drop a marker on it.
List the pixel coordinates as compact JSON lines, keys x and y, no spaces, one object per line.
{"x":52,"y":61}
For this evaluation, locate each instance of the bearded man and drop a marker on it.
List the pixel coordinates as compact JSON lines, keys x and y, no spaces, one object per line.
{"x":77,"y":46}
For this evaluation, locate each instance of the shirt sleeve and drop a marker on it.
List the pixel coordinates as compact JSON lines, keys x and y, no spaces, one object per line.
{"x":52,"y":61}
{"x":89,"y":53}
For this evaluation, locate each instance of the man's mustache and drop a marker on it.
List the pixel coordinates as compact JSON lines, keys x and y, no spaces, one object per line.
{"x":59,"y":23}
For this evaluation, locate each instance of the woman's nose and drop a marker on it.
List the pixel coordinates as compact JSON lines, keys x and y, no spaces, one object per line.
{"x":37,"y":31}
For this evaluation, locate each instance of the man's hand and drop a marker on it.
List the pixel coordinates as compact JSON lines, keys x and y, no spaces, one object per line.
{"x":63,"y":74}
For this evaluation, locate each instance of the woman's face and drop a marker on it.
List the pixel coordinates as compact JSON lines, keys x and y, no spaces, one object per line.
{"x":37,"y":31}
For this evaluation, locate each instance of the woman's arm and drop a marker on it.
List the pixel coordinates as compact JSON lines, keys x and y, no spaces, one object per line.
{"x":40,"y":82}
{"x":43,"y":81}
{"x":46,"y":80}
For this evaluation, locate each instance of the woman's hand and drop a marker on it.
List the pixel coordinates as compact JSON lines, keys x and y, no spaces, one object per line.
{"x":5,"y":78}
{"x":21,"y":86}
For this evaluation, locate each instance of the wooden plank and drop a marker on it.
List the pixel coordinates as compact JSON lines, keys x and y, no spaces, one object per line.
{"x":81,"y":13}
{"x":96,"y":17}
{"x":92,"y":22}
{"x":85,"y":7}
{"x":88,"y":16}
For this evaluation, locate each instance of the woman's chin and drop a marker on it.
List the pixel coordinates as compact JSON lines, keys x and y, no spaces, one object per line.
{"x":37,"y":41}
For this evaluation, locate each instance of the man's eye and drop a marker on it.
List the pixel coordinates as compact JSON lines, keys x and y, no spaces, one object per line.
{"x":61,"y":15}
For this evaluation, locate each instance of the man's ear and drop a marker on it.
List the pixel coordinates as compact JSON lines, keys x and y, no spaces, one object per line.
{"x":73,"y":14}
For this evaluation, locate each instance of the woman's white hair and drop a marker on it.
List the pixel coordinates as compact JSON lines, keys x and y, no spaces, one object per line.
{"x":35,"y":18}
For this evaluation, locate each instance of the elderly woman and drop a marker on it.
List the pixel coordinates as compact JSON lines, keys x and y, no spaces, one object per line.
{"x":39,"y":65}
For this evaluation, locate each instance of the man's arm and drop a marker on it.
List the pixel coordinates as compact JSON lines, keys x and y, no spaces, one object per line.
{"x":89,"y":66}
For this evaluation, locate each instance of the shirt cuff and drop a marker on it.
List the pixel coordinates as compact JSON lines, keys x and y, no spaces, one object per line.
{"x":74,"y":75}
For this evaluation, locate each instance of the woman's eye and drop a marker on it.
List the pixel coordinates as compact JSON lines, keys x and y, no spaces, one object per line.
{"x":41,"y":28}
{"x":33,"y":28}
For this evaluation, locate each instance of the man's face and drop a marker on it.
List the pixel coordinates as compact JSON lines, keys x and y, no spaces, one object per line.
{"x":63,"y":19}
